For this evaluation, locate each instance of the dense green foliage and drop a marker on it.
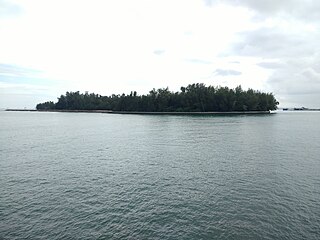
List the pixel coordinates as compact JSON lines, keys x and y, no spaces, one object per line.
{"x":193,"y":98}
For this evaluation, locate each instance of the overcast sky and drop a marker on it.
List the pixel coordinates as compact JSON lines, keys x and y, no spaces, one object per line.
{"x":48,"y":47}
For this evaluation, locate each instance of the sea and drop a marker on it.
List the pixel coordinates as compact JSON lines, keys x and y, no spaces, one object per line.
{"x":113,"y":176}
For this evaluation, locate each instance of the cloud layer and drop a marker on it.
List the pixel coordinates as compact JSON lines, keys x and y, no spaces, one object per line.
{"x":119,"y":46}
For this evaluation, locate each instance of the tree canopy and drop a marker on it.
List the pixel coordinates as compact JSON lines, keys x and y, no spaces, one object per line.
{"x":193,"y":98}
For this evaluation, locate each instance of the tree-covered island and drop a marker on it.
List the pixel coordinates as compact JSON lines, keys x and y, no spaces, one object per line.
{"x":193,"y":98}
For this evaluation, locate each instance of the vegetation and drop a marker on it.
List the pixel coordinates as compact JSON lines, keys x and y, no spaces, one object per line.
{"x":193,"y":98}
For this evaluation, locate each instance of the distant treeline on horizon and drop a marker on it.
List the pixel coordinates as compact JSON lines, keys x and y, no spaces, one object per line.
{"x":193,"y":98}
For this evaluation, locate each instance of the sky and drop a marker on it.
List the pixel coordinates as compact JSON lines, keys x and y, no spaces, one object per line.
{"x":48,"y":47}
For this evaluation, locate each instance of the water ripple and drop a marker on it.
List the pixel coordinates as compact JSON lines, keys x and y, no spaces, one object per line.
{"x":97,"y":176}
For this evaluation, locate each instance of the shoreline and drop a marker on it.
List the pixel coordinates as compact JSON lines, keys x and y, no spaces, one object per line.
{"x":145,"y":113}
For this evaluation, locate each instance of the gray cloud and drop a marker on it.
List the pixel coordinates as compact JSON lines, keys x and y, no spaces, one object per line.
{"x":270,"y":6}
{"x":298,"y":82}
{"x":271,"y":65}
{"x":304,"y":10}
{"x":294,"y":57}
{"x":226,"y":72}
{"x":293,"y":54}
{"x":159,"y":51}
{"x":274,"y":43}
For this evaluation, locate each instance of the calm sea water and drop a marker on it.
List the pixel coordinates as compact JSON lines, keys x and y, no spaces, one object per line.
{"x":101,"y":176}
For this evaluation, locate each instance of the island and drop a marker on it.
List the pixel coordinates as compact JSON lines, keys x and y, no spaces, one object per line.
{"x":195,"y":98}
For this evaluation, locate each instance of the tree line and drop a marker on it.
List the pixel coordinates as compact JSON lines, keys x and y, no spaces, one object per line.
{"x":193,"y":98}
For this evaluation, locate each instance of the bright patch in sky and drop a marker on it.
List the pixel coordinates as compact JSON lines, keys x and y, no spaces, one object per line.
{"x":49,"y":47}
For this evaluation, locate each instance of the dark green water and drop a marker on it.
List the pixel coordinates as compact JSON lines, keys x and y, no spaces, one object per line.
{"x":101,"y":176}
